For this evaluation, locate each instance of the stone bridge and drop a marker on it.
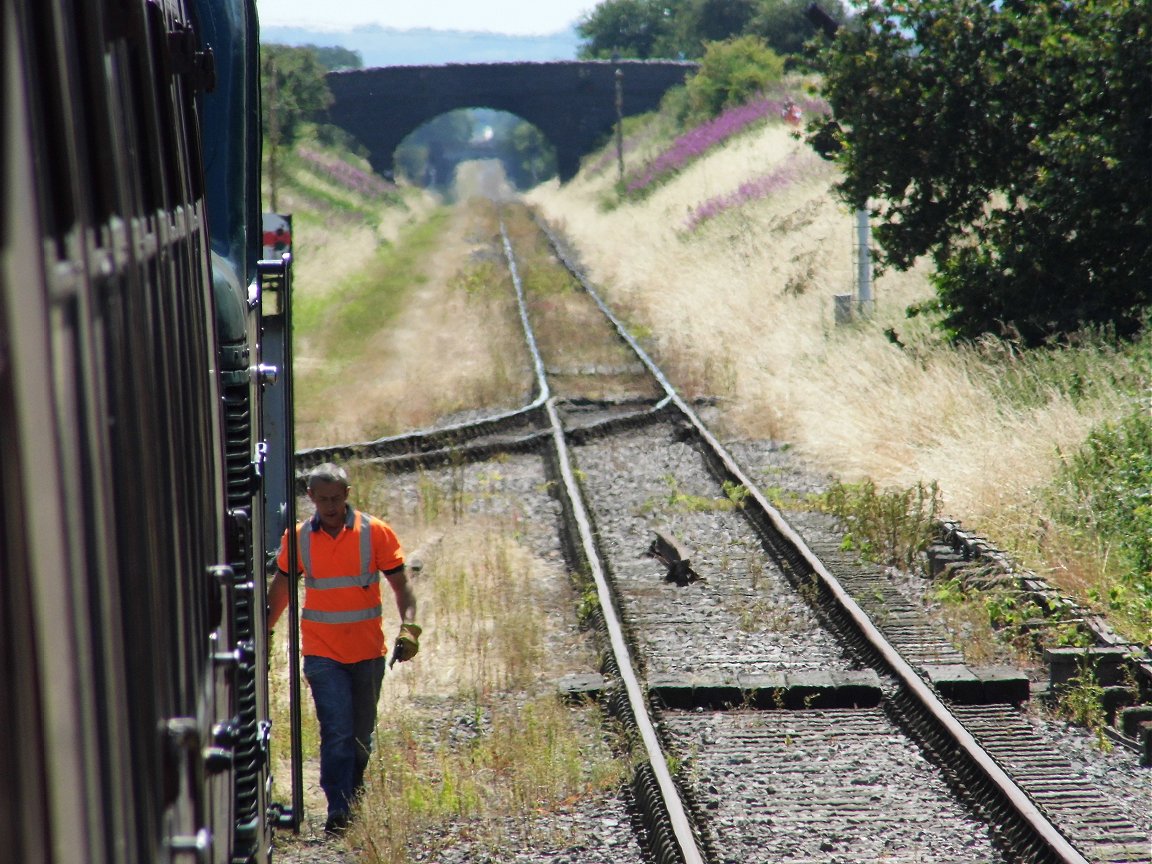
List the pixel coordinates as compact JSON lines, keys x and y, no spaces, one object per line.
{"x":572,"y":103}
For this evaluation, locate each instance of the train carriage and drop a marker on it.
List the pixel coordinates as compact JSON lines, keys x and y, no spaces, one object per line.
{"x":132,"y":521}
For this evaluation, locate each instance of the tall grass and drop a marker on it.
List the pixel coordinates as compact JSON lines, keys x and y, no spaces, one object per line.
{"x":382,"y":352}
{"x":743,"y":311}
{"x":472,"y":733}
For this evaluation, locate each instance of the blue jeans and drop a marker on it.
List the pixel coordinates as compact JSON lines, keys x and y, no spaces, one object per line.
{"x":346,"y":695}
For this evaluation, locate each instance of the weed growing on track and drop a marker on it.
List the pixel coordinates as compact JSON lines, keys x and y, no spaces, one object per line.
{"x":886,"y":526}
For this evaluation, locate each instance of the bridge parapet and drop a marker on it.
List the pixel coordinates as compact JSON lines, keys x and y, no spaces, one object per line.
{"x":573,"y":103}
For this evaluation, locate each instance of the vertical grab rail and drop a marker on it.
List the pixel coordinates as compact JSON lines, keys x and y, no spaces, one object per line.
{"x":280,"y":495}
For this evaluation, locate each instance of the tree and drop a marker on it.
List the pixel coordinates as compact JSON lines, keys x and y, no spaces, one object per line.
{"x":1011,"y":142}
{"x":731,"y":73}
{"x":333,"y":57}
{"x":700,"y":22}
{"x":637,"y":29}
{"x":294,"y":90}
{"x":535,"y":157}
{"x":785,"y":26}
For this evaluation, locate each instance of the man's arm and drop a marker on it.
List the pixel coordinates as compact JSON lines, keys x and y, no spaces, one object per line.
{"x":405,"y":597}
{"x":408,"y":640}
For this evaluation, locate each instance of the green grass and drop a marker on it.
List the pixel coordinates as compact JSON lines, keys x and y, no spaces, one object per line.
{"x":510,"y":762}
{"x":1090,"y":365}
{"x":375,"y":296}
{"x":1103,"y":498}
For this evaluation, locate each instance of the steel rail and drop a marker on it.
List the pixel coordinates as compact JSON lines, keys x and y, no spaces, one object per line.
{"x":673,"y":803}
{"x":916,"y":685}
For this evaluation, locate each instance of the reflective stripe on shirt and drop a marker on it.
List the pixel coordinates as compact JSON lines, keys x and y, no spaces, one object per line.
{"x":350,"y":617}
{"x":368,"y":574}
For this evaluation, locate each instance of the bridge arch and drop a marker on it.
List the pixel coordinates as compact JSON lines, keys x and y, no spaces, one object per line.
{"x":431,"y":154}
{"x":573,"y":103}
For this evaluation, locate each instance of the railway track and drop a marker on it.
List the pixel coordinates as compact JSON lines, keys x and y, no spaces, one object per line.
{"x":784,"y":702}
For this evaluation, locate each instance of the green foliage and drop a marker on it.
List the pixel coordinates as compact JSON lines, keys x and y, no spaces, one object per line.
{"x":294,"y":90}
{"x":533,"y":156}
{"x":637,"y":29}
{"x":701,"y":22}
{"x":1082,"y":701}
{"x":425,"y":146}
{"x":784,"y":25}
{"x":644,"y":29}
{"x":1104,"y":491}
{"x":737,"y":492}
{"x":731,"y":73}
{"x":1010,"y":142}
{"x":333,"y":57}
{"x":891,"y":527}
{"x":1089,"y":365}
{"x":678,"y":500}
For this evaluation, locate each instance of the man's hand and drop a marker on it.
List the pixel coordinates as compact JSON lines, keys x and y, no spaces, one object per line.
{"x":407,"y":643}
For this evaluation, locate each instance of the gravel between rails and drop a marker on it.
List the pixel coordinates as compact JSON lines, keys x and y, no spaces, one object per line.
{"x":742,"y":617}
{"x":1115,"y":773}
{"x":598,"y":830}
{"x":836,"y":786}
{"x":594,"y":829}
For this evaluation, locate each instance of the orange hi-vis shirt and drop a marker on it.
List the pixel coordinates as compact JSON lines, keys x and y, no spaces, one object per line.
{"x":342,"y":611}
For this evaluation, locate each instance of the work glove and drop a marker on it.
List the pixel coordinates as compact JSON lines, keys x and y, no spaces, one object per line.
{"x":407,"y":643}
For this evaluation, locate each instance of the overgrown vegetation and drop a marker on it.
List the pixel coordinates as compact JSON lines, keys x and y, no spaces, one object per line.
{"x":731,"y":73}
{"x":472,"y":742}
{"x":1008,"y":141}
{"x":646,"y":29}
{"x":1104,"y":496}
{"x":889,"y":526}
{"x":371,"y":298}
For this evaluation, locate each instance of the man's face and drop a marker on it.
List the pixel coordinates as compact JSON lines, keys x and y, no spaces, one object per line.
{"x":329,"y":498}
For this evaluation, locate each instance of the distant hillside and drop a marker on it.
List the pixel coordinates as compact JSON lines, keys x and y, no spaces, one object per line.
{"x":387,"y":46}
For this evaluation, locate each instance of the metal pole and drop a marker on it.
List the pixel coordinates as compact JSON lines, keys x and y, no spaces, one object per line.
{"x":619,"y":125}
{"x":863,"y":261}
{"x":294,"y":719}
{"x":280,"y":492}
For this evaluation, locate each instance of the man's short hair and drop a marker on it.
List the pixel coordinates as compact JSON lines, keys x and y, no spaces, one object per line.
{"x":329,"y":472}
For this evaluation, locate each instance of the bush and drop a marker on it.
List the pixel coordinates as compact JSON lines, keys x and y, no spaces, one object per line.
{"x":1106,"y":492}
{"x":1110,"y":487}
{"x":731,"y":73}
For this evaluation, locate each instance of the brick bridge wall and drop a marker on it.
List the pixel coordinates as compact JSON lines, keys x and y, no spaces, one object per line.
{"x":572,"y":103}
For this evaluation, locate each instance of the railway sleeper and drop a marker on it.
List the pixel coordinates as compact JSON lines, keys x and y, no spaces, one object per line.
{"x":982,"y":685}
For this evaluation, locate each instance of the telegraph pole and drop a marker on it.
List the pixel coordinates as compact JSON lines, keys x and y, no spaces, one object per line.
{"x":619,"y":125}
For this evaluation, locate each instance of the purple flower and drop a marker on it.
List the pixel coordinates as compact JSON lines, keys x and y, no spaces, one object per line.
{"x":750,"y":190}
{"x":698,"y":141}
{"x":349,"y":176}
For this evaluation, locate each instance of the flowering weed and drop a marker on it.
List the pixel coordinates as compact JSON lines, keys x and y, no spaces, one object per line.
{"x":750,"y":190}
{"x":703,"y":138}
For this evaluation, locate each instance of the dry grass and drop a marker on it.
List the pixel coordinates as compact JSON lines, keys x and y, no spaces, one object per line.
{"x":743,"y":309}
{"x":431,"y":339}
{"x":471,"y":741}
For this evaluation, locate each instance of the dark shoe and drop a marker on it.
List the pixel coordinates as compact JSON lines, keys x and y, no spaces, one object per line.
{"x":337,"y":824}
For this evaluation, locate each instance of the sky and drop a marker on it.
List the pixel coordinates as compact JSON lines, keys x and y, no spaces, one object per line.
{"x":521,"y":17}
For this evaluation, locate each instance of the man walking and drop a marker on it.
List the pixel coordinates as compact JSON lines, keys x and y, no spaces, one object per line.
{"x":341,"y":553}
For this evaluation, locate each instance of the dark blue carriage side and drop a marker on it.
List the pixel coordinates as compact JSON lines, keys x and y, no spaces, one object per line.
{"x":231,"y":150}
{"x":131,"y":632}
